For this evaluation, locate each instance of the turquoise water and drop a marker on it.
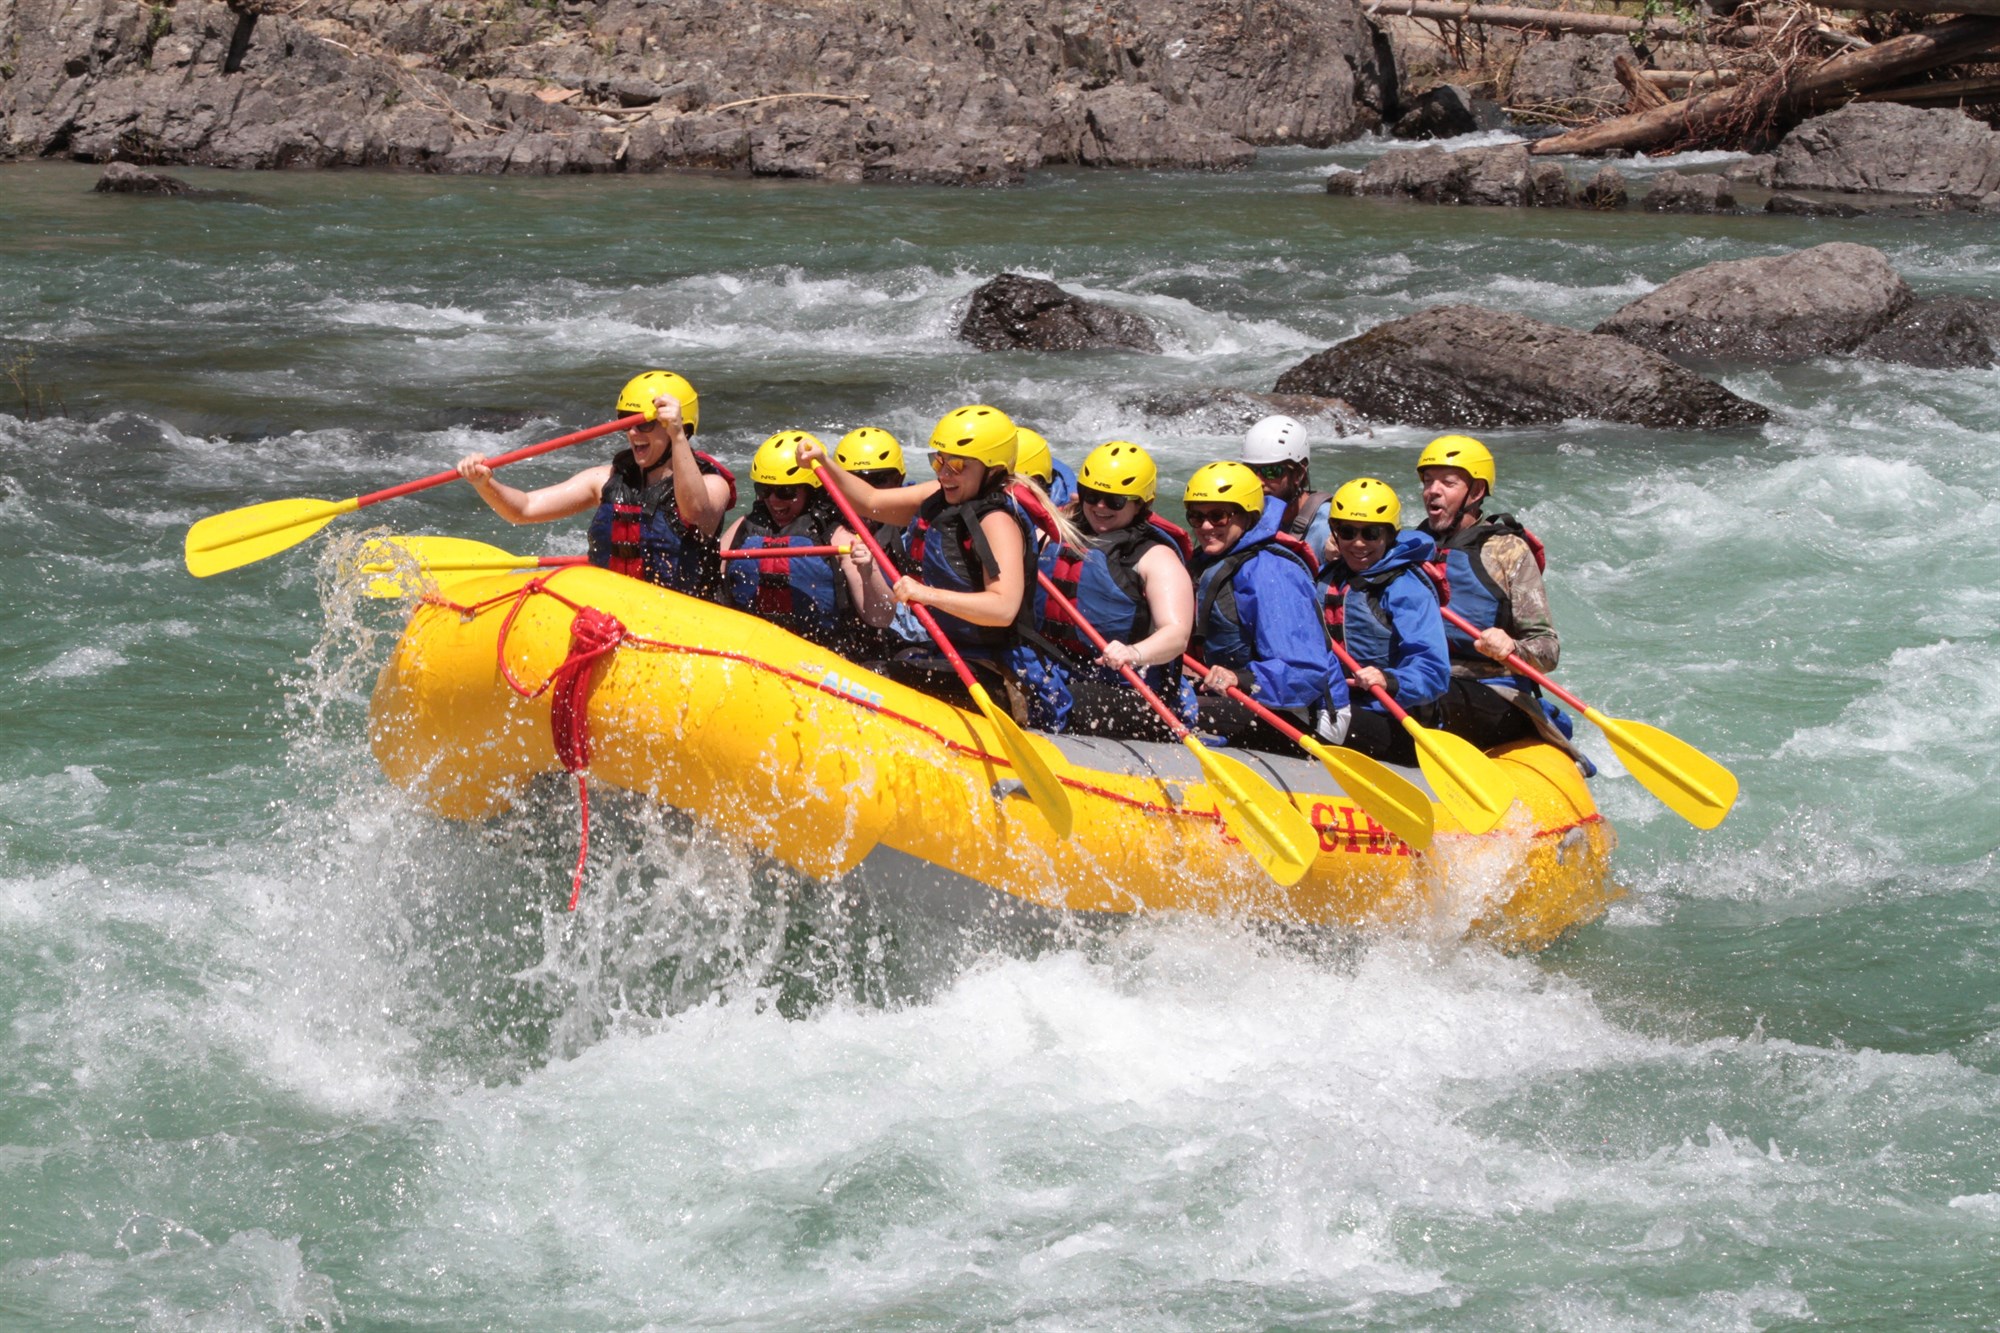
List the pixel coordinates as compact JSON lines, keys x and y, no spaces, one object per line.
{"x":282,"y":1051}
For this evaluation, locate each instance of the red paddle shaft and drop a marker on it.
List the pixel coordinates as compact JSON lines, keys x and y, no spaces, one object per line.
{"x":1520,"y":664}
{"x":1075,"y":617}
{"x":1285,"y":729}
{"x":888,"y":566}
{"x":783,"y":552}
{"x":1353,"y":667}
{"x":512,"y":456}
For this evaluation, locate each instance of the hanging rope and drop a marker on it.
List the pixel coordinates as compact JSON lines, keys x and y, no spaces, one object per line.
{"x":592,"y":635}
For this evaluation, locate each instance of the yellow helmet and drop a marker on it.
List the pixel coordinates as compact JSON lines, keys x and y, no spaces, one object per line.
{"x":1032,"y":457}
{"x":640,"y":391}
{"x":983,"y":434}
{"x":1366,"y":500}
{"x":1121,"y":468}
{"x":1462,"y":452}
{"x":1225,"y":484}
{"x":869,"y":449}
{"x":776,"y":462}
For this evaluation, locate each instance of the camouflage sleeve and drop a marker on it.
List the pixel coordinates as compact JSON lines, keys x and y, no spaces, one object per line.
{"x":1513,"y":567}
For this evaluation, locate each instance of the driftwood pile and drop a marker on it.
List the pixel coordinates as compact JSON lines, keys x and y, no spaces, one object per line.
{"x":1767,"y":66}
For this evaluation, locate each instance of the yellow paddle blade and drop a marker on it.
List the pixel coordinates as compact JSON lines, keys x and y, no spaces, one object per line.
{"x":1282,"y":840}
{"x":245,"y":536}
{"x":1471,"y":786}
{"x":1688,"y":782}
{"x":404,"y":566}
{"x":1388,"y":798}
{"x":1033,"y":771}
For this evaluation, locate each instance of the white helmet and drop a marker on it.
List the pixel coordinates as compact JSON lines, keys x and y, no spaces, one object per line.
{"x":1275,"y":440}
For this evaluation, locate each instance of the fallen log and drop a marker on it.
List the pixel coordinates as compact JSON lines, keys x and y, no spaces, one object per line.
{"x":1643,"y":93}
{"x":1945,"y":92}
{"x":1692,"y":78}
{"x":1557,"y":20}
{"x":1710,"y":118}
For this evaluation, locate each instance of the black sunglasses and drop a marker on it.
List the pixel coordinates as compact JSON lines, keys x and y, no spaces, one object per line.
{"x":1219,"y":516}
{"x":880,"y":478}
{"x":1271,"y":471}
{"x":791,"y":492}
{"x":1115,"y":503}
{"x":1365,"y":532}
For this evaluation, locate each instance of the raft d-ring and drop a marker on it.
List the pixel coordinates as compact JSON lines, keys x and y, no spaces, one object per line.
{"x":1007,"y":787}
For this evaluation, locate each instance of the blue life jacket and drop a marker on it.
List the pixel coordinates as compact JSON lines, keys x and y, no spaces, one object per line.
{"x":1387,"y":617}
{"x":637,"y":530}
{"x":1257,"y":613}
{"x":808,"y":595}
{"x":1474,"y":593}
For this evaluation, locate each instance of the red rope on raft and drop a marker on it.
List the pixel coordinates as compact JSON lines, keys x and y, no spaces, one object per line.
{"x":592,"y":634}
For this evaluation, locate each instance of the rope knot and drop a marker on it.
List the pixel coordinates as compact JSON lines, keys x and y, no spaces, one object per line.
{"x":592,"y":634}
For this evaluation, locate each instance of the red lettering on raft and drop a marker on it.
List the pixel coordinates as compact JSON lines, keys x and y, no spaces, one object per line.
{"x":1347,"y":828}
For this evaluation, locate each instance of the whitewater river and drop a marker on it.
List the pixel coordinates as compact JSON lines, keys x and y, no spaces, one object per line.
{"x":279,"y":1050}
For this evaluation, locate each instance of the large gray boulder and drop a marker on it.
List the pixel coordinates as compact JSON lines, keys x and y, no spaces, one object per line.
{"x":1468,"y":367}
{"x":1503,"y":174}
{"x":1012,"y":312}
{"x":1888,"y":148}
{"x":1569,"y":73}
{"x":924,"y":90}
{"x":1810,"y":303}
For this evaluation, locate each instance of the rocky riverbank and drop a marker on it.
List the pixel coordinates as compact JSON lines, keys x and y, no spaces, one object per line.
{"x":837,"y":89}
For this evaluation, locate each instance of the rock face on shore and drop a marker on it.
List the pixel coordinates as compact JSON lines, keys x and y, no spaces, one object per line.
{"x":1815,"y":302}
{"x":1887,"y":148}
{"x":1015,"y":313}
{"x":1467,"y":367}
{"x":921,"y":91}
{"x":1504,"y":174}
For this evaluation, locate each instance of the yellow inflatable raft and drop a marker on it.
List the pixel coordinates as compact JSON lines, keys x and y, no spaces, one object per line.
{"x":835,"y":770}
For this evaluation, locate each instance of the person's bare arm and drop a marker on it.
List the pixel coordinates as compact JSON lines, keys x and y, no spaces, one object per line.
{"x":999,"y":601}
{"x":544,"y":505}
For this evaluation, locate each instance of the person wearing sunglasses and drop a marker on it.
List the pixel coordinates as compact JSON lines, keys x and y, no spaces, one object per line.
{"x":658,"y":501}
{"x":972,"y":549}
{"x":1377,"y":601}
{"x":1129,"y":580}
{"x":1257,"y":616}
{"x":822,"y":598}
{"x":1495,"y":568}
{"x":1038,"y":461}
{"x":1275,"y":449}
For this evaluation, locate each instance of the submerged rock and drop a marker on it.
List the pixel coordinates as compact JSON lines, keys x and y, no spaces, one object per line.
{"x":1467,"y":367}
{"x":1673,"y":192}
{"x":124,"y":178}
{"x":1014,"y":312}
{"x":1798,"y":205}
{"x":1810,"y":303}
{"x":1227,"y":411}
{"x":1888,"y":148}
{"x":1503,"y":174}
{"x":1445,"y":112}
{"x":1944,"y":333}
{"x":1605,"y":191}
